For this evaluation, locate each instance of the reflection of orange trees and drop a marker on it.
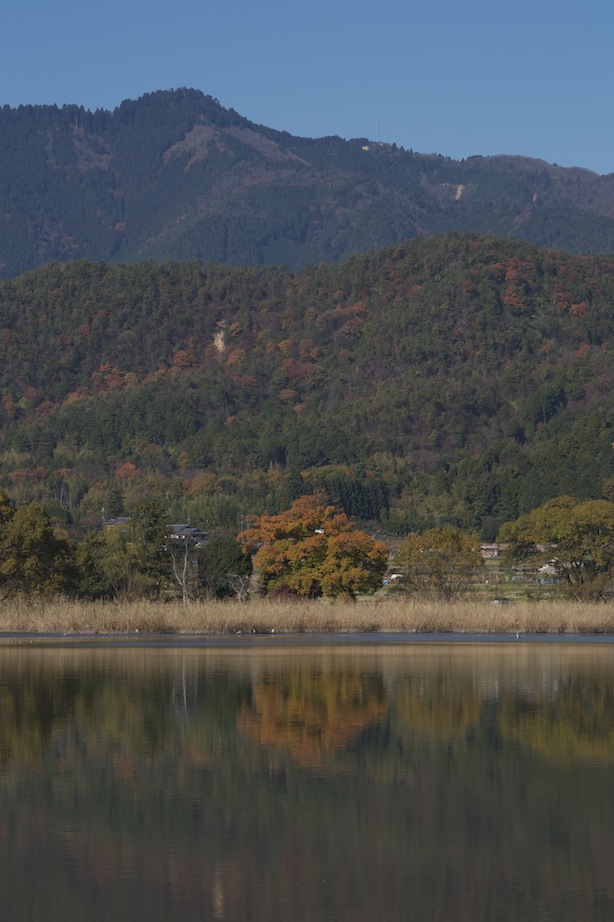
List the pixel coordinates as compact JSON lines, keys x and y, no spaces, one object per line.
{"x":313,"y":714}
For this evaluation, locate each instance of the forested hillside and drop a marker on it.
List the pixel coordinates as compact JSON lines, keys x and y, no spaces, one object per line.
{"x":456,"y":378}
{"x":176,"y":175}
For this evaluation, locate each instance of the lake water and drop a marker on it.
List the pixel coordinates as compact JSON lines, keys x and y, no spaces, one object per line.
{"x":269,"y":780}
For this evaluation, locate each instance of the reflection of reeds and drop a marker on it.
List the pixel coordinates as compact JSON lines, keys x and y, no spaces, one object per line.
{"x":263,"y":616}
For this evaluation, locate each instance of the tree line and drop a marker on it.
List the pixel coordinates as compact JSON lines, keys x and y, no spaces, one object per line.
{"x":310,"y":550}
{"x":134,"y":559}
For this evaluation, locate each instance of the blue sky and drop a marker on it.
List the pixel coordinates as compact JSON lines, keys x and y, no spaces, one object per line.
{"x":532,"y":77}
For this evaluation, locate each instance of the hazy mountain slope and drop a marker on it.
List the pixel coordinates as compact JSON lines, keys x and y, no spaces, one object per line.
{"x":174,"y":174}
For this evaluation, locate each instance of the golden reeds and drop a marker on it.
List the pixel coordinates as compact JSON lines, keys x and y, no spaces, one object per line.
{"x":401,"y":614}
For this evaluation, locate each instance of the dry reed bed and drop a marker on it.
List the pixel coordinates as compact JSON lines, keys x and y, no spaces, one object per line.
{"x":264,"y":616}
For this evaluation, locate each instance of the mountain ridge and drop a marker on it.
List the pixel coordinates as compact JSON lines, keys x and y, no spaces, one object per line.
{"x":174,"y":174}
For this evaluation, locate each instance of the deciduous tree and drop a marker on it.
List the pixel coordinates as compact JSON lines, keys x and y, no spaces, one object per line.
{"x":314,"y":549}
{"x":128,"y":560}
{"x":577,"y":539}
{"x":442,"y":561}
{"x":34,"y":559}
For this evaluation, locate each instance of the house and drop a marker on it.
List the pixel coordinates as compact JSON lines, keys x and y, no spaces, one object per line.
{"x":489,"y":551}
{"x":185,"y":532}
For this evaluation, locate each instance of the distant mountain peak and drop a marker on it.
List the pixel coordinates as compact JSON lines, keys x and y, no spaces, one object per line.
{"x":174,"y":174}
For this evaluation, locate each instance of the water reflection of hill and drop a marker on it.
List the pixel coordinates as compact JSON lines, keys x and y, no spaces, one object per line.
{"x":183,"y":786}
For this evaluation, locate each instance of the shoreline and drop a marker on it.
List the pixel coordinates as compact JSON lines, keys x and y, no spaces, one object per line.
{"x":378,"y":616}
{"x":284,"y":642}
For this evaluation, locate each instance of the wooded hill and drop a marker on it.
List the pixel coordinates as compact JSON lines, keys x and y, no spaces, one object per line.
{"x":176,"y":175}
{"x":454,"y":378}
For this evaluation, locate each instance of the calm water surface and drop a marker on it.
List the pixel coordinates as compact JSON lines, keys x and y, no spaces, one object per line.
{"x":271,"y":781}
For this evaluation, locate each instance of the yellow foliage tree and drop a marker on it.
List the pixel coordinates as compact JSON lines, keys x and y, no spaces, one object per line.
{"x":577,"y":540}
{"x":442,"y":561}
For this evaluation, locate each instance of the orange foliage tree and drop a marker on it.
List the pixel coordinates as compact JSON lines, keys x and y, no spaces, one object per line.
{"x":314,"y":549}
